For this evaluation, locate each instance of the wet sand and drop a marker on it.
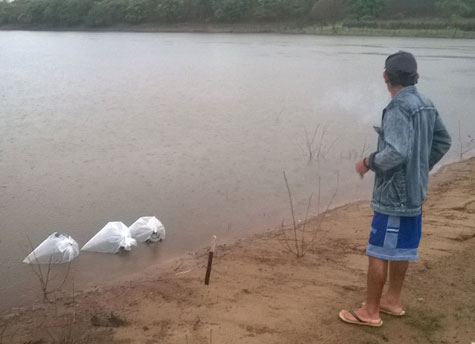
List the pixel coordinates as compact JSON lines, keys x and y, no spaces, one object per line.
{"x":260,"y":293}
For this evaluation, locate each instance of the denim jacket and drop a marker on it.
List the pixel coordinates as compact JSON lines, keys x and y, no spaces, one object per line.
{"x":412,"y":139}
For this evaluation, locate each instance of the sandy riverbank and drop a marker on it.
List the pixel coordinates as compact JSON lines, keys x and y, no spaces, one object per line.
{"x":259,"y":293}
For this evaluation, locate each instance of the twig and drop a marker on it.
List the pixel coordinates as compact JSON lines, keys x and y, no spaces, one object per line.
{"x":470,"y":145}
{"x":74,"y":303}
{"x":324,"y":130}
{"x":286,"y":240}
{"x":320,"y":220}
{"x":293,"y":214}
{"x":48,"y":270}
{"x":65,"y":276}
{"x":44,"y":278}
{"x":39,"y":273}
{"x":305,"y":223}
{"x":183,"y":272}
{"x":310,"y":142}
{"x":363,"y":151}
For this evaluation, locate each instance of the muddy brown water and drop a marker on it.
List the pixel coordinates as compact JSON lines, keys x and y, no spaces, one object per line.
{"x":193,"y":128}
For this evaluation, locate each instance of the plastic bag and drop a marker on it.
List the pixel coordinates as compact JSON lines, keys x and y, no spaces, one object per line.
{"x":113,"y":238}
{"x":58,"y":248}
{"x":147,"y":229}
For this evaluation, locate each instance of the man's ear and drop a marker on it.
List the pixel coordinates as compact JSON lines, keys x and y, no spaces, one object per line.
{"x":417,"y":78}
{"x":385,"y":77}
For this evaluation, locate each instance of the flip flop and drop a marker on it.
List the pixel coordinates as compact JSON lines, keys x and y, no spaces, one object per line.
{"x":358,"y":321}
{"x":387,"y":311}
{"x":396,"y":314}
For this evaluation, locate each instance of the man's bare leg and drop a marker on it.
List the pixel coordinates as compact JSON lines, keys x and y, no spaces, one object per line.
{"x":377,"y":273}
{"x":392,"y":299}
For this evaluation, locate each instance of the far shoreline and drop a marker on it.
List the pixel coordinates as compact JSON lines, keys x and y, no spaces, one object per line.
{"x":256,"y":28}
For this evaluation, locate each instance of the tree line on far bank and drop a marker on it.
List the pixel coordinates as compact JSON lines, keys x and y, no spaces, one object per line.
{"x":100,"y":13}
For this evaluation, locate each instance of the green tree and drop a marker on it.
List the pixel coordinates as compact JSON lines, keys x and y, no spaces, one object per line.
{"x":3,"y":13}
{"x":170,"y":10}
{"x":268,"y":9}
{"x":199,"y":10}
{"x":76,"y":11}
{"x":299,"y":7}
{"x":229,"y":10}
{"x":137,"y":11}
{"x":99,"y":14}
{"x":367,"y":9}
{"x":409,"y":8}
{"x":35,"y":11}
{"x":107,"y":12}
{"x":329,"y":11}
{"x":54,"y":12}
{"x":456,"y":7}
{"x":280,"y":9}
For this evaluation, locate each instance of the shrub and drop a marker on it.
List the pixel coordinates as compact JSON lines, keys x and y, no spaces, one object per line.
{"x":169,"y":10}
{"x":455,"y":7}
{"x":99,"y":14}
{"x":367,"y":9}
{"x":329,"y":11}
{"x":3,"y":13}
{"x":229,"y":10}
{"x":137,"y":11}
{"x":197,"y":9}
{"x":76,"y":11}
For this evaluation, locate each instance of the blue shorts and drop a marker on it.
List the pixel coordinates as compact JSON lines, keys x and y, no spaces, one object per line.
{"x":394,"y":237}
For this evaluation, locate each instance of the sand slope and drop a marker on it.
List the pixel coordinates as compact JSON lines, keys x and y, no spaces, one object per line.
{"x":260,"y":293}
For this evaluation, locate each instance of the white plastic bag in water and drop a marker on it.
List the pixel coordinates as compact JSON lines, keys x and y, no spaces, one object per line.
{"x":114,"y":237}
{"x":147,"y":229}
{"x":58,"y":248}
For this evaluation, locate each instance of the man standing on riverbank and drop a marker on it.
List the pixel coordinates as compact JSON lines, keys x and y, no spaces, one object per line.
{"x":412,"y":139}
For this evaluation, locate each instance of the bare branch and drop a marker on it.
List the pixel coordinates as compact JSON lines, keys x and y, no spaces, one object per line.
{"x":323,"y":215}
{"x":302,"y":245}
{"x":310,"y":142}
{"x":322,"y":135}
{"x":286,"y":240}
{"x":465,"y":147}
{"x":363,"y":151}
{"x":66,"y":275}
{"x":293,"y":214}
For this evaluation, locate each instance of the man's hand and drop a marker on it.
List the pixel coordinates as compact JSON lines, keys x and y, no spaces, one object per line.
{"x":362,"y":167}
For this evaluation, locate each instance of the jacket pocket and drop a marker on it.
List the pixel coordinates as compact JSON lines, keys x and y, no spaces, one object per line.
{"x":393,"y":190}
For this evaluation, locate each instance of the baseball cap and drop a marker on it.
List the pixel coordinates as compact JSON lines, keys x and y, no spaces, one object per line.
{"x":401,"y":62}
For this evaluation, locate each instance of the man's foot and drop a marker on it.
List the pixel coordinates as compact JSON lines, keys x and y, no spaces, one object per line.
{"x":392,"y":308}
{"x":359,"y":317}
{"x":389,"y":308}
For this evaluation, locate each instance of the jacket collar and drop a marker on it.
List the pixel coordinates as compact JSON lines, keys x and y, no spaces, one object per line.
{"x":406,"y":90}
{"x":401,"y":94}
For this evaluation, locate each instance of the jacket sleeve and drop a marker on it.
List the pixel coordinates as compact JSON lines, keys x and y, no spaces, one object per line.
{"x":441,"y":142}
{"x":397,"y":135}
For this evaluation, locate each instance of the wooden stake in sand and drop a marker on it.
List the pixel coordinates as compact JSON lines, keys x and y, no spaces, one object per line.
{"x":210,"y":259}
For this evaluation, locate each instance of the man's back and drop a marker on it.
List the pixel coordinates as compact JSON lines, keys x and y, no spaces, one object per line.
{"x":412,"y":140}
